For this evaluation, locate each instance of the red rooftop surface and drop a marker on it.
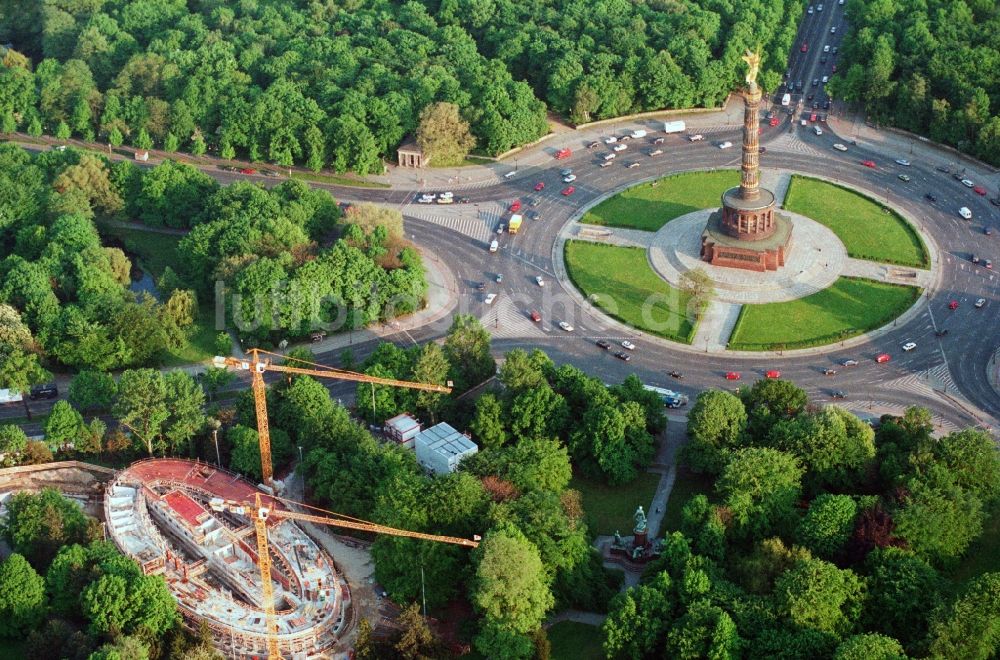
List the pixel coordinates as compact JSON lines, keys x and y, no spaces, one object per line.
{"x":192,"y":512}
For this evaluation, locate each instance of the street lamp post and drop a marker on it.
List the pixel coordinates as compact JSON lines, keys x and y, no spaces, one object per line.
{"x":215,"y":439}
{"x":300,"y":453}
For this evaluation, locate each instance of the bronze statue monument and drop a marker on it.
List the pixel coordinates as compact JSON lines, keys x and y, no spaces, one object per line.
{"x":746,"y":232}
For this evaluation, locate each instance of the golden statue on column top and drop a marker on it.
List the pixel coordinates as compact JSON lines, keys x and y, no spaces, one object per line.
{"x":753,"y":59}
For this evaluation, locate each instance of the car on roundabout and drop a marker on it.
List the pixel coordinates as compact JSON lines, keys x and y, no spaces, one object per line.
{"x":965,"y":213}
{"x":593,"y":145}
{"x":772,"y":373}
{"x":602,"y":343}
{"x":882,"y":357}
{"x":839,"y":147}
{"x":609,"y":156}
{"x":968,"y":183}
{"x":540,"y":186}
{"x":733,"y":375}
{"x":565,"y":326}
{"x":569,"y":178}
{"x":629,"y":345}
{"x":850,"y":363}
{"x":569,"y":190}
{"x":829,"y":372}
{"x":516,"y":206}
{"x":903,"y":162}
{"x":632,"y":165}
{"x":953,"y":305}
{"x":566,"y":171}
{"x":499,"y":278}
{"x":536,"y":317}
{"x":980,"y":302}
{"x":606,"y":163}
{"x":676,"y":374}
{"x":930,"y":197}
{"x":539,"y":281}
{"x":838,"y":394}
{"x":909,"y":346}
{"x":620,"y":147}
{"x":656,"y":152}
{"x":622,"y":355}
{"x":868,"y":163}
{"x":905,"y":178}
{"x":979,"y":190}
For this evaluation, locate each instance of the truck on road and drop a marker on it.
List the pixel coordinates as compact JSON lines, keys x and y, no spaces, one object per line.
{"x":674,"y":127}
{"x":515,"y":223}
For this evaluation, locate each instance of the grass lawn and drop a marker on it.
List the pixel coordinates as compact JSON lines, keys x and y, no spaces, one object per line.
{"x":866,"y":230}
{"x":649,"y":206}
{"x":982,"y":556}
{"x":337,"y":180}
{"x":850,"y":306}
{"x":154,"y":252}
{"x":576,"y":641}
{"x":612,"y":507}
{"x":687,"y":484}
{"x":621,"y":282}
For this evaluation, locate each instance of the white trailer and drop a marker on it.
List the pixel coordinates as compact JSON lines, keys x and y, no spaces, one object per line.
{"x":674,"y":127}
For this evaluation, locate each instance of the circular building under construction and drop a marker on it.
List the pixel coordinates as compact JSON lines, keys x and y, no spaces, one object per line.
{"x":192,"y":523}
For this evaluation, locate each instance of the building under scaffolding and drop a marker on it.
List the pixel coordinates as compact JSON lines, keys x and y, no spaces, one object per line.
{"x":166,"y":514}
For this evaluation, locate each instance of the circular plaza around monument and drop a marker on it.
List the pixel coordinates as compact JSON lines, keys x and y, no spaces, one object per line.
{"x":846,"y":273}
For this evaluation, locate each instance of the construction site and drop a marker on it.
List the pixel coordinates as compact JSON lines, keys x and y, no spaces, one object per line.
{"x":177,"y":519}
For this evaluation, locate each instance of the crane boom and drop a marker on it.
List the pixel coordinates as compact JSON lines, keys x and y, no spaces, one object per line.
{"x":373,"y":527}
{"x":257,"y":366}
{"x":267,"y":589}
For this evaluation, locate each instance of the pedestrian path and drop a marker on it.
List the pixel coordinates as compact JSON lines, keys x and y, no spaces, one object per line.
{"x":793,"y":143}
{"x":887,"y":273}
{"x":716,"y":325}
{"x":616,"y":236}
{"x":872,"y":409}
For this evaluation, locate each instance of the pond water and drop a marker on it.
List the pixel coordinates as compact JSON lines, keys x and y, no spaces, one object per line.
{"x":144,"y":283}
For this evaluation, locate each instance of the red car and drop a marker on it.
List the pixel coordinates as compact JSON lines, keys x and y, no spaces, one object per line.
{"x":834,"y":68}
{"x":773,"y":373}
{"x":953,"y":305}
{"x":884,"y":357}
{"x":868,"y":163}
{"x":979,"y":190}
{"x":248,"y":170}
{"x":568,"y":191}
{"x":540,"y":186}
{"x":535,"y":316}
{"x":733,"y":375}
{"x":812,"y":117}
{"x":805,"y":48}
{"x":773,"y":121}
{"x":563,"y":153}
{"x":516,"y":206}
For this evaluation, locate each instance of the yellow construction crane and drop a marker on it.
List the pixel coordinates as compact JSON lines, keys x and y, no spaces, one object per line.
{"x":260,"y":513}
{"x":257,"y":365}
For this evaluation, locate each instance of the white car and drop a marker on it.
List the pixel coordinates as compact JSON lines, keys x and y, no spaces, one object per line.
{"x":967,"y":183}
{"x":570,"y":178}
{"x":839,"y":147}
{"x":909,"y":346}
{"x":725,"y":145}
{"x":697,"y":137}
{"x":904,"y":177}
{"x":500,"y":229}
{"x":825,"y":79}
{"x":826,"y":49}
{"x":656,"y":152}
{"x":490,"y":298}
{"x":609,"y":156}
{"x":565,"y":326}
{"x":903,"y":162}
{"x":965,"y":213}
{"x":980,"y":302}
{"x":447,"y":194}
{"x":606,"y":163}
{"x":446,"y":200}
{"x":629,"y":345}
{"x":817,"y":130}
{"x":539,"y":281}
{"x":621,"y":147}
{"x":425,"y":200}
{"x":610,"y":140}
{"x":833,"y":30}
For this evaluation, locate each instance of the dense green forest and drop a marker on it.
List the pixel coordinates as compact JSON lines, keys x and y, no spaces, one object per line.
{"x":932,"y":67}
{"x":819,"y":537}
{"x":284,"y":260}
{"x":341,"y":84}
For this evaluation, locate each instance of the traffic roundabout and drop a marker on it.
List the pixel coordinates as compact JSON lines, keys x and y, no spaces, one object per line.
{"x":831,"y":297}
